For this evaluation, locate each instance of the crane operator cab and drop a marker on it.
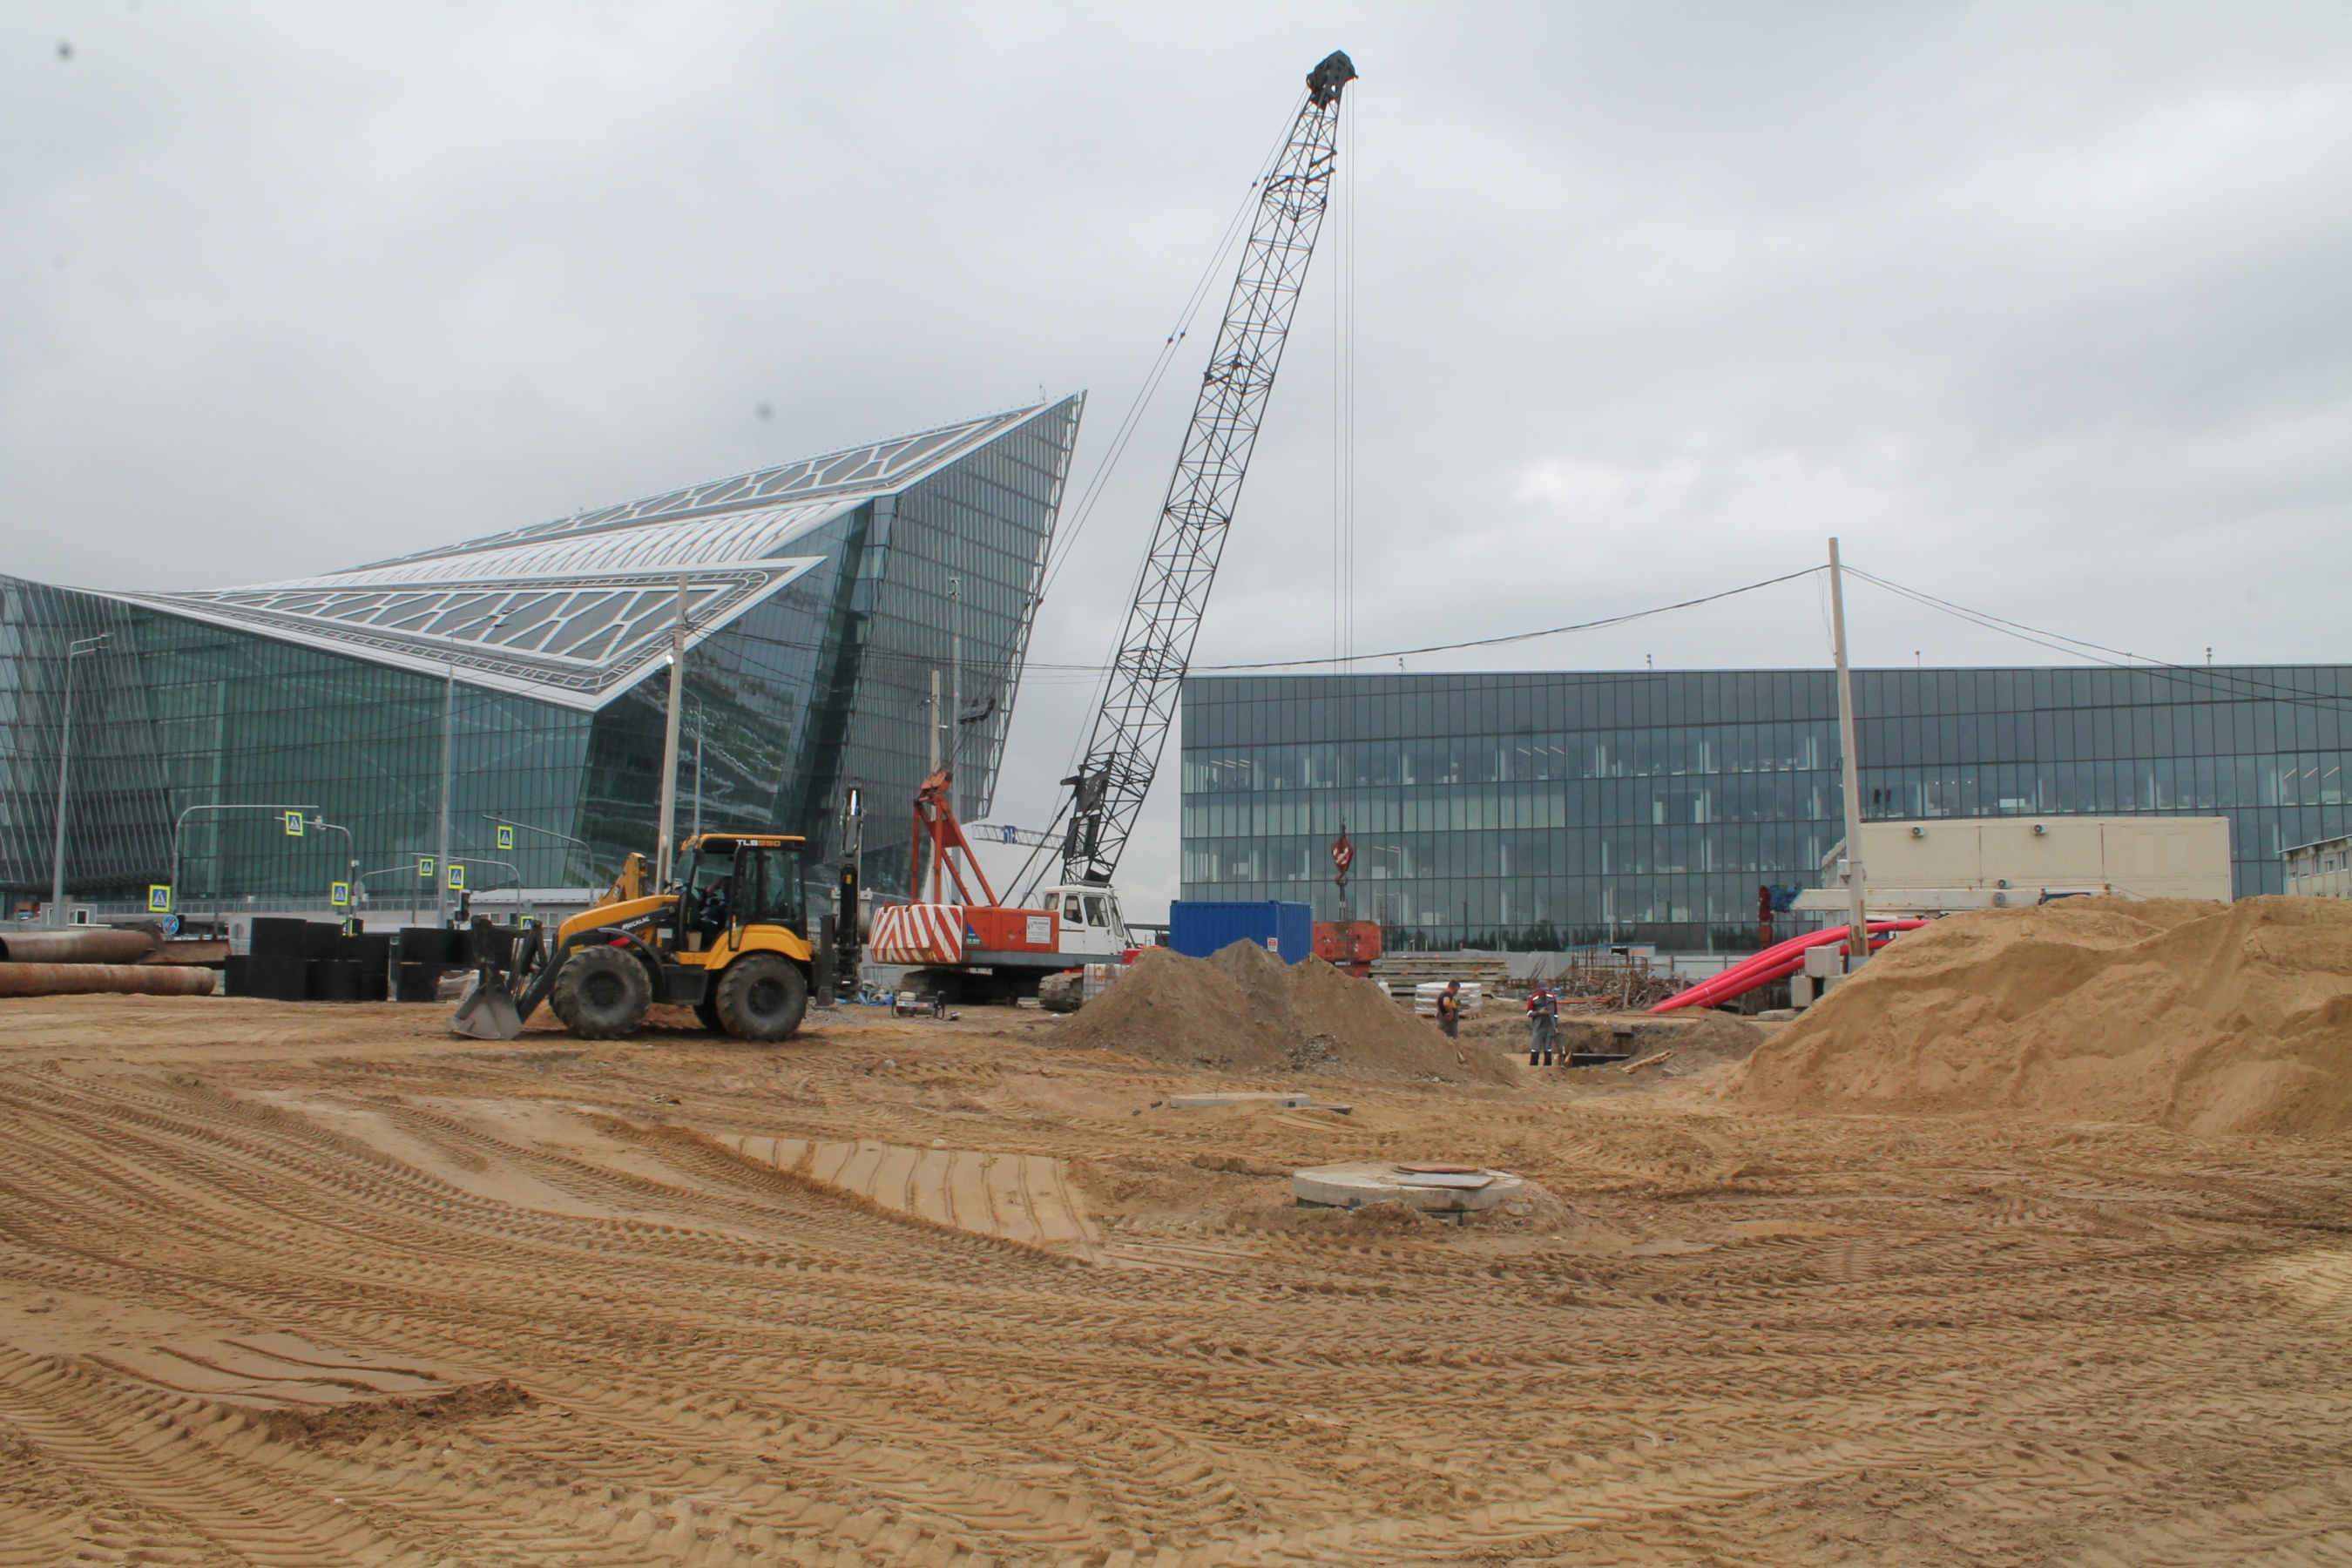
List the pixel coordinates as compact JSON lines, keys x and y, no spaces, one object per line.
{"x":726,"y":938}
{"x":1091,"y":924}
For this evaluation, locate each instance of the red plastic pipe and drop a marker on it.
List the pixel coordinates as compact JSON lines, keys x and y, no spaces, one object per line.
{"x":1782,"y":958}
{"x":1775,"y":962}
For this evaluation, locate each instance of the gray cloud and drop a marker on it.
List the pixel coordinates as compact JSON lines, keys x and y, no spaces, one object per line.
{"x":2038,"y":307}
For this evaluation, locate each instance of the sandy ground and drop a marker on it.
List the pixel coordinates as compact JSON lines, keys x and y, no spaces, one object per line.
{"x":313,"y":1285}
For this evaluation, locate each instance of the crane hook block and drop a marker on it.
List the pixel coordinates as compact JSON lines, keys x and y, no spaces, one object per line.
{"x":1324,"y":82}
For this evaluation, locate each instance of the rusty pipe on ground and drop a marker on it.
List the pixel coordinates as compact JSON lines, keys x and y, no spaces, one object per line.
{"x":80,"y":979}
{"x":89,"y":944}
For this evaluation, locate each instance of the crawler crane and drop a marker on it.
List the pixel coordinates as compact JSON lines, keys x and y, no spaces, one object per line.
{"x":968,"y":950}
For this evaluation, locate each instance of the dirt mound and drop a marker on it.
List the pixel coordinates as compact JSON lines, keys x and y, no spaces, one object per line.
{"x":1172,"y":1008}
{"x":2202,"y":1016}
{"x":1707,"y":1038}
{"x":1244,"y":1007}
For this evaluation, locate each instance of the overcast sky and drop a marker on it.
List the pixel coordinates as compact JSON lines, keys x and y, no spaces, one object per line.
{"x":2042,"y":308}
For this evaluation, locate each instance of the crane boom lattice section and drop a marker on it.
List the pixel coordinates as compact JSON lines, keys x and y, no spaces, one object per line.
{"x":1147,"y":676}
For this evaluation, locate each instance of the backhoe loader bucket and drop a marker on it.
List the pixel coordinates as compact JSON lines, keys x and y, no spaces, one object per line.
{"x":490,"y":1013}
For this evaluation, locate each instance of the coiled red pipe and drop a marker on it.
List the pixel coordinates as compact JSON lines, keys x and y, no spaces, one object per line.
{"x":1775,"y":962}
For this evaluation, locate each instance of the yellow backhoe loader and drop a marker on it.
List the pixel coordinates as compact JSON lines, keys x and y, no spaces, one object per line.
{"x":729,"y":940}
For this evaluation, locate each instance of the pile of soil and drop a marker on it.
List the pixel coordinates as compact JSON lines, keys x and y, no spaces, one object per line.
{"x":1707,"y":1040}
{"x":1244,"y":1007}
{"x":2208,"y":1018}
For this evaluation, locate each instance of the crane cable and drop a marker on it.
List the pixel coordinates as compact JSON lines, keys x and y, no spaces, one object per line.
{"x":1236,"y":228}
{"x":1343,"y":400}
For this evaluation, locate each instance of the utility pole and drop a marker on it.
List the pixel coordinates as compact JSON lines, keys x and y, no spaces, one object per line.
{"x":935,"y":724}
{"x":669,"y":829}
{"x":74,"y":650}
{"x":955,"y":691}
{"x":698,"y":781}
{"x":1857,"y":920}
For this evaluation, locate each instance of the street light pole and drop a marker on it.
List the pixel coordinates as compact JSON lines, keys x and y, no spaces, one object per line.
{"x":181,"y":821}
{"x":449,"y":747}
{"x":448,"y":753}
{"x":512,"y":871}
{"x":74,"y":650}
{"x":668,"y":819}
{"x":587,"y":855}
{"x":350,"y":851}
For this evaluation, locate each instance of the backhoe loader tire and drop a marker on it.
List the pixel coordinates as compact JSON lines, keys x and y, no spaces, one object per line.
{"x":705,"y":1012}
{"x":762,"y":997}
{"x":601,"y":995}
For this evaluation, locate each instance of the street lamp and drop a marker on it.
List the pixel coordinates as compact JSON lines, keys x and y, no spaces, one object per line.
{"x":448,"y":745}
{"x":179,"y":822}
{"x":512,"y":872}
{"x":588,"y":856}
{"x":350,"y":850}
{"x":74,"y":650}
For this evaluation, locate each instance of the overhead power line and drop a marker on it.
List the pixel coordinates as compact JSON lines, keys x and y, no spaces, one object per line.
{"x":2236,"y":682}
{"x":1517,"y":636}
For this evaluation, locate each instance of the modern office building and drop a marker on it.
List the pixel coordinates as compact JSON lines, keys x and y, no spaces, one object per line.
{"x":1555,"y":810}
{"x":820,"y":597}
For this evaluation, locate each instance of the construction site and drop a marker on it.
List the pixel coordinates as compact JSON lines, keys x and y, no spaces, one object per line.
{"x":1949,"y":1177}
{"x":2025,"y":1247}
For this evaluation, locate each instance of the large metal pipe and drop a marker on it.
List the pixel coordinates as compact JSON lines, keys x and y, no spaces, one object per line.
{"x":77,"y":979}
{"x":95,"y":944}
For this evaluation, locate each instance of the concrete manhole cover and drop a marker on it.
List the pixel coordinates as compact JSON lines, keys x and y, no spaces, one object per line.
{"x":1435,"y":1188}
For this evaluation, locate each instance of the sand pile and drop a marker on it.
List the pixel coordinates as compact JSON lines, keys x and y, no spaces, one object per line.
{"x":2202,"y":1016}
{"x":1244,"y":1007}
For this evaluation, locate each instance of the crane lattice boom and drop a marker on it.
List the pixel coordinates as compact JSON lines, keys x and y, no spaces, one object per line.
{"x":1148,"y":674}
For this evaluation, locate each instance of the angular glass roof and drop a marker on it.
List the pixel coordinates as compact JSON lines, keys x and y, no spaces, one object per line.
{"x":874,"y":470}
{"x":575,"y":611}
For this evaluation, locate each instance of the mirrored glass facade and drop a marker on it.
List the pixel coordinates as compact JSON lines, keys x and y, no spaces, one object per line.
{"x":1555,"y":810}
{"x":814,"y":626}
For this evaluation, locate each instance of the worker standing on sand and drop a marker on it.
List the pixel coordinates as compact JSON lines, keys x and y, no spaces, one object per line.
{"x":1543,"y":1023}
{"x":1449,"y":1009}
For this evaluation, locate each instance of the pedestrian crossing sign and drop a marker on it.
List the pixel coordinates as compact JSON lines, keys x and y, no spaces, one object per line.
{"x":426,"y":866}
{"x":456,"y":877}
{"x":339,"y":894}
{"x":506,"y":836}
{"x":293,"y":824}
{"x":159,"y":899}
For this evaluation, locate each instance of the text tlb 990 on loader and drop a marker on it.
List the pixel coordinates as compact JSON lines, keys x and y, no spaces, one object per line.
{"x":728,"y":939}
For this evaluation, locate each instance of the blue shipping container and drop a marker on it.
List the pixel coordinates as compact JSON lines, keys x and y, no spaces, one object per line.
{"x":1197,"y":928}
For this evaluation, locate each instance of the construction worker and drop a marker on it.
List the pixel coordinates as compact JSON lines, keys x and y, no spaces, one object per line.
{"x":1449,"y":1009}
{"x":1543,"y":1023}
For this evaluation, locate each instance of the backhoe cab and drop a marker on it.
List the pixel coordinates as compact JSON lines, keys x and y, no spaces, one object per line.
{"x":728,"y":939}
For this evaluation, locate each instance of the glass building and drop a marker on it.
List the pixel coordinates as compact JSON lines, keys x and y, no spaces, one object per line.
{"x":1556,"y":810}
{"x":820,"y":597}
